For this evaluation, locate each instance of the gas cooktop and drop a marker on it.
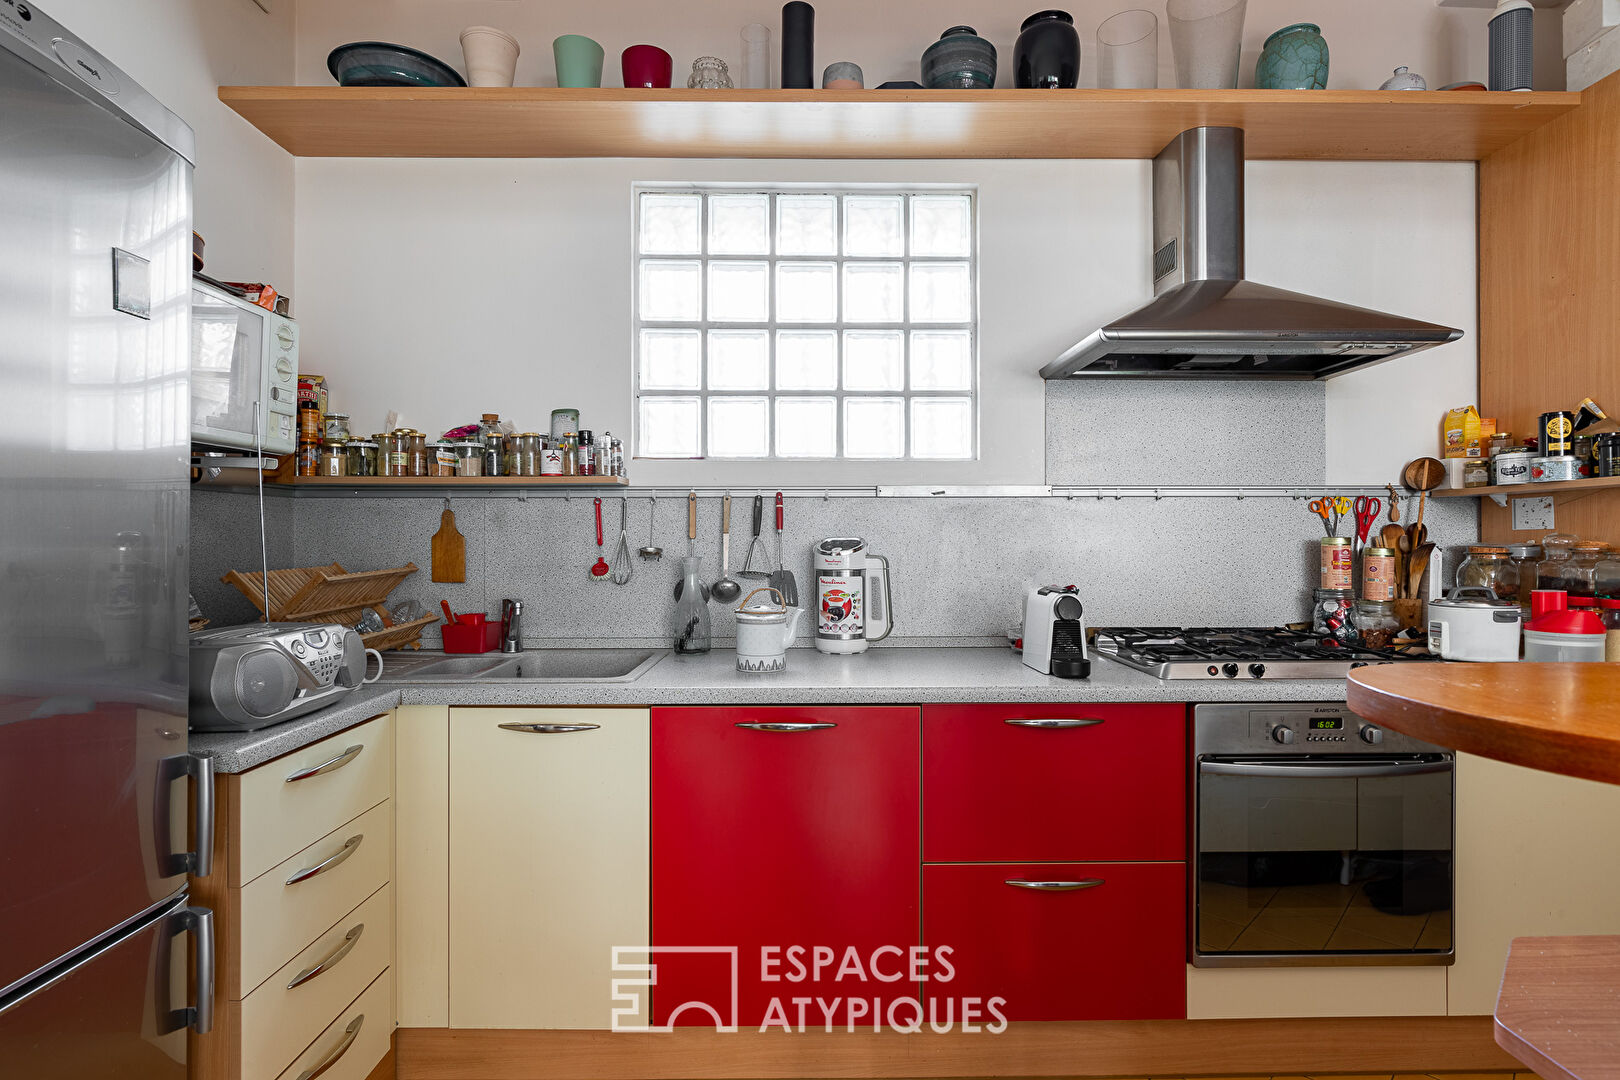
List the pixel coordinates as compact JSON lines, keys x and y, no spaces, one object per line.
{"x":1170,"y":652}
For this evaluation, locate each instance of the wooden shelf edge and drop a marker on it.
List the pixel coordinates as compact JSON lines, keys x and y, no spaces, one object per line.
{"x":1589,"y":486}
{"x":589,"y":482}
{"x":548,"y":122}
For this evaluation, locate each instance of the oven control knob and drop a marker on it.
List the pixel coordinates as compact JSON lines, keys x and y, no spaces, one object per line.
{"x":1282,"y":734}
{"x":1229,"y":670}
{"x":1372,"y":735}
{"x":1258,"y":671}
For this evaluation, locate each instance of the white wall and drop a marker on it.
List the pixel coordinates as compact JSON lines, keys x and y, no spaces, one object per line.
{"x":1368,"y":38}
{"x":182,"y":51}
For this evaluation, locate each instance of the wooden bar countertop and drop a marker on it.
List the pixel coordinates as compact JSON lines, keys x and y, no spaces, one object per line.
{"x":1561,"y":718}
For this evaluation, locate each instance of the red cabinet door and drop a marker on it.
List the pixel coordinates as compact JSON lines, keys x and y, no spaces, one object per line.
{"x":1112,"y":948}
{"x":770,"y":839}
{"x":1054,"y":783}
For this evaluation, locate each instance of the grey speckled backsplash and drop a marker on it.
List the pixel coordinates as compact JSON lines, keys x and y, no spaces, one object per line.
{"x":960,"y":565}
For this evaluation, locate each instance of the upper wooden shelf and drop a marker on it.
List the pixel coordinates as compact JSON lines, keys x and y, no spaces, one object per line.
{"x":1566,"y":490}
{"x":1311,"y":125}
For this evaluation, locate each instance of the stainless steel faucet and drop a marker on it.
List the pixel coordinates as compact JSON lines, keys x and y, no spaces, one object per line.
{"x":511,"y":626}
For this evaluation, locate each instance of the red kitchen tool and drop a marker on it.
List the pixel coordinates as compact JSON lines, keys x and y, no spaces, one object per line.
{"x":449,"y":616}
{"x":1367,"y":511}
{"x":600,"y":569}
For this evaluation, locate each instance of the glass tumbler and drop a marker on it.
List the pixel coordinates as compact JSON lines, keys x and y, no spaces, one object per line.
{"x":1128,"y":51}
{"x":1207,"y":39}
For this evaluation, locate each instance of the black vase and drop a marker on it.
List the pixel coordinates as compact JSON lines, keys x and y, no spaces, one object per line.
{"x":798,"y":46}
{"x":1047,"y":54}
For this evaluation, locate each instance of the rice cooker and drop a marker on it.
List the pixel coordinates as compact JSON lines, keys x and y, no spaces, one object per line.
{"x":1473,"y":623}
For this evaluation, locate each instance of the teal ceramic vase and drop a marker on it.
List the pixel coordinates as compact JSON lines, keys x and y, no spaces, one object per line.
{"x":1295,"y":58}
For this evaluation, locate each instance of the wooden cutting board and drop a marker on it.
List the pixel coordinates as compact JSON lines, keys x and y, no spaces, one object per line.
{"x":449,"y":549}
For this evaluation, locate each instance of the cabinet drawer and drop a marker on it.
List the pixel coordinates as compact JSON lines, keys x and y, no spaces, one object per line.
{"x":370,"y":1020}
{"x":1110,"y":951}
{"x":279,"y":1022}
{"x":284,"y":809}
{"x":280,"y":916}
{"x":1097,"y":782}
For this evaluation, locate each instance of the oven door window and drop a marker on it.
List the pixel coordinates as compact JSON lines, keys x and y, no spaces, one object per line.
{"x":227,"y":352}
{"x":1347,"y":856}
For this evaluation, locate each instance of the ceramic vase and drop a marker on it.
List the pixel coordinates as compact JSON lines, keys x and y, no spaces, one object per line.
{"x":1294,"y":58}
{"x":798,"y":46}
{"x":646,"y":66}
{"x":842,"y":76}
{"x":1047,"y":53}
{"x":959,"y":60}
{"x":756,"y":65}
{"x":1405,"y":79}
{"x":491,"y":56}
{"x":579,"y":61}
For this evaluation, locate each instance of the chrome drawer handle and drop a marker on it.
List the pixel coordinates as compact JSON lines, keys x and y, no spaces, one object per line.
{"x":549,"y":729}
{"x":350,"y":846}
{"x":327,"y":766}
{"x":1054,"y":724}
{"x":784,"y":726}
{"x":1056,"y":886}
{"x":350,"y":1033}
{"x":330,"y":960}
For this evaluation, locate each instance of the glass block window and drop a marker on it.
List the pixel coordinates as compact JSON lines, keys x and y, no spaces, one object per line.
{"x":805,"y":323}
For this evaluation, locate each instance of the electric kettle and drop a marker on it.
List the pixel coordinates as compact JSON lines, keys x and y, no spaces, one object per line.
{"x":852,"y":596}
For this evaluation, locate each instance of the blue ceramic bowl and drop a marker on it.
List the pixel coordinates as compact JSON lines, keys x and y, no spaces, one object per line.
{"x":377,"y":63}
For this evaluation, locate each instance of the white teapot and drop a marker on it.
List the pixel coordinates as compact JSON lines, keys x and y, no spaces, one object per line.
{"x":764,"y":631}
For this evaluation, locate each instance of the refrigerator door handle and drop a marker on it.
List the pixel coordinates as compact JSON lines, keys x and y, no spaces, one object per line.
{"x":199,"y":767}
{"x":199,"y":922}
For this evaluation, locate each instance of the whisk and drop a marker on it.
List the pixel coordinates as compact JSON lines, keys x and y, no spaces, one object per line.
{"x":622,"y":567}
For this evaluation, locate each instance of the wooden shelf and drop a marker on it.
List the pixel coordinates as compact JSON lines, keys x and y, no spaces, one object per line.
{"x":1564,"y":490}
{"x":519,"y":122}
{"x":469,"y":482}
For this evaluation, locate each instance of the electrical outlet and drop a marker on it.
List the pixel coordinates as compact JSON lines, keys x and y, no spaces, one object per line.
{"x":1533,"y":515}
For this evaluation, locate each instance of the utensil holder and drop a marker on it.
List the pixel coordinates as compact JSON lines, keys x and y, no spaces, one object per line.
{"x":1207,"y":39}
{"x":468,"y":638}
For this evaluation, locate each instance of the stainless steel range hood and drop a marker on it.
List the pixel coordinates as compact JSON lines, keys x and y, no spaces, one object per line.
{"x":1207,"y":321}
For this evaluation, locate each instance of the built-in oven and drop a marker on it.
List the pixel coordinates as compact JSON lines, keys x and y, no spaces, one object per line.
{"x":1319,"y":838}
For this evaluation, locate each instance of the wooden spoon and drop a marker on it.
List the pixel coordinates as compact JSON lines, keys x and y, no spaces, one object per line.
{"x":1390,"y":536}
{"x":1414,"y":572}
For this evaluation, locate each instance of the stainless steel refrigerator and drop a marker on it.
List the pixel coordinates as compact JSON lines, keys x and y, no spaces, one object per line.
{"x":103,"y":963}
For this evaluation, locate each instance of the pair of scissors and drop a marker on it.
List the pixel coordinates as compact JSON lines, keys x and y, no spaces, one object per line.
{"x":1324,"y":509}
{"x":1367,"y":511}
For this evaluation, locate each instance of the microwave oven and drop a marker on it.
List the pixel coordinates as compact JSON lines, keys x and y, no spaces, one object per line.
{"x":244,"y":365}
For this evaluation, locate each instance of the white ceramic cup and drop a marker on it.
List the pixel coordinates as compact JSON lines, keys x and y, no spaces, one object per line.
{"x":491,"y":56}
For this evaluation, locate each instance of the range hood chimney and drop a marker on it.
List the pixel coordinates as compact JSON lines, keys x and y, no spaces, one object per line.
{"x":1206,"y":321}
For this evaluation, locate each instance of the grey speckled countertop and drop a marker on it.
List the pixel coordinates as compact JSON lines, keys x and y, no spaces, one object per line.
{"x":879,"y":676}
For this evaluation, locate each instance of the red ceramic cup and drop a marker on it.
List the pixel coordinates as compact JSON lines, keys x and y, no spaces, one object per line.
{"x":647,"y":65}
{"x":1543,"y":601}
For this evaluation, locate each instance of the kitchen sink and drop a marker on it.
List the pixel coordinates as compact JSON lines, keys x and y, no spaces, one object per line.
{"x":535,"y":665}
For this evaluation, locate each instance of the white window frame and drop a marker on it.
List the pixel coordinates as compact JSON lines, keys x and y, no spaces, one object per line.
{"x":771,"y":325}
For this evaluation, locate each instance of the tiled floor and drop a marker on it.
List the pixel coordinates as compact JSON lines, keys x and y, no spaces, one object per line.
{"x":1309,"y":917}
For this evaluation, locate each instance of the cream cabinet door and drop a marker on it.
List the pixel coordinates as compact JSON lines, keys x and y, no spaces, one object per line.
{"x":549,"y":862}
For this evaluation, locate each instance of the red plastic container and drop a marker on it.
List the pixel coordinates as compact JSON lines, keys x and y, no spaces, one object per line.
{"x":471,"y":634}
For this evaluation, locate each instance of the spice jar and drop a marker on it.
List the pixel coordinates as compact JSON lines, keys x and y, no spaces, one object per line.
{"x":1583,"y":574}
{"x":1377,"y":624}
{"x":1378,"y":574}
{"x":469,"y":457}
{"x":1556,"y":567}
{"x":1337,"y":563}
{"x":337,"y":427}
{"x":1524,"y":558}
{"x":1609,"y":612}
{"x":523,"y":454}
{"x":1476,"y":473}
{"x":394,"y":453}
{"x":493,"y":449}
{"x":334,"y":460}
{"x":585,"y":453}
{"x":416,"y":448}
{"x":570,"y":459}
{"x":1501,"y":441}
{"x":1489,"y":568}
{"x":441,"y":458}
{"x":362,"y":454}
{"x":551,"y":458}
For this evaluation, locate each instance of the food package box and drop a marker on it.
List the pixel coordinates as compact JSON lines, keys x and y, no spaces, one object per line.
{"x":1593,"y":63}
{"x":1585,"y":20}
{"x":1458,"y":430}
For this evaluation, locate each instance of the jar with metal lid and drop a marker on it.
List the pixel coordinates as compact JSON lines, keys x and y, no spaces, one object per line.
{"x":493,"y":447}
{"x":1378,"y":574}
{"x":441,"y":458}
{"x":1556,"y":568}
{"x":1501,"y":441}
{"x":1524,"y":558}
{"x":523,"y":454}
{"x":551,"y":459}
{"x":394,"y":454}
{"x":469,"y":456}
{"x":334,"y":459}
{"x":1476,"y":473}
{"x":570,"y":450}
{"x":416,"y":447}
{"x":1489,"y":568}
{"x":1338,"y":564}
{"x":1583,"y":576}
{"x":362,"y":454}
{"x":336,"y":427}
{"x":1376,"y":623}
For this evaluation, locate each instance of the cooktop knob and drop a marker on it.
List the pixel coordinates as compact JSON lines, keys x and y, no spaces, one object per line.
{"x":1372,"y":735}
{"x":1282,"y":734}
{"x":1258,"y":671}
{"x":1229,"y":670}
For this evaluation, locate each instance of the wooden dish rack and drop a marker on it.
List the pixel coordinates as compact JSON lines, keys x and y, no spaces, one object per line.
{"x":332,"y":594}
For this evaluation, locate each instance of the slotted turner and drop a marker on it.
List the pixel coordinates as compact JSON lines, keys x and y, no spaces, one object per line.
{"x":782,"y":579}
{"x":756,"y":547}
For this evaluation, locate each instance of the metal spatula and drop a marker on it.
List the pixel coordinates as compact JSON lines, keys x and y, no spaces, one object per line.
{"x":756,"y":547}
{"x":782,"y":578}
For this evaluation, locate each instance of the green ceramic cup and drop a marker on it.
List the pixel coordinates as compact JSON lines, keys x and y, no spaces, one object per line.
{"x":579,"y":60}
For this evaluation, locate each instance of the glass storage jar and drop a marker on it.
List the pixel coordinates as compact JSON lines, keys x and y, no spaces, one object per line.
{"x":1489,"y":568}
{"x":441,"y":458}
{"x":1606,"y":576}
{"x":1524,"y":558}
{"x":469,"y":457}
{"x":394,"y":454}
{"x":337,"y":427}
{"x":1377,"y":624}
{"x":1556,"y":568}
{"x":1583,"y":578}
{"x":570,"y":450}
{"x":362,"y":455}
{"x":523,"y":454}
{"x":1331,"y":611}
{"x":416,"y":448}
{"x":334,"y":459}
